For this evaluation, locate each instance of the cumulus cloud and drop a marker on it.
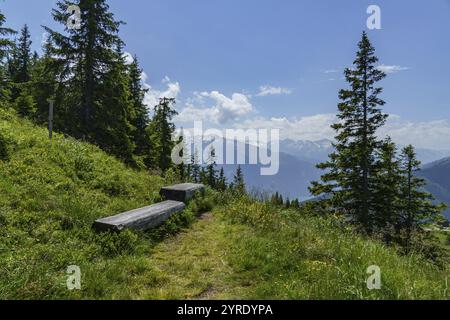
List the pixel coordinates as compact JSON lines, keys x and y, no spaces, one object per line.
{"x":153,"y":95}
{"x":222,"y":110}
{"x":270,"y":91}
{"x":391,"y":69}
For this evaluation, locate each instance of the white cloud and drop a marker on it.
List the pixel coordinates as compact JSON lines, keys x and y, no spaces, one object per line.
{"x":270,"y":91}
{"x":427,"y":134}
{"x":313,"y":128}
{"x":331,"y":71}
{"x":391,"y":69}
{"x":129,"y":59}
{"x":223,"y":110}
{"x":153,"y":95}
{"x":434,"y":135}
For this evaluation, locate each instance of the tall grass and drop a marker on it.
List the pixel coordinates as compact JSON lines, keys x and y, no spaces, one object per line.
{"x":287,"y":254}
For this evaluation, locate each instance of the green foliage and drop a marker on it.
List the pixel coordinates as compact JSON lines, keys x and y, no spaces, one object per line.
{"x":6,"y":45}
{"x":291,"y":254}
{"x":51,"y":195}
{"x":19,"y":64}
{"x":238,"y":184}
{"x":352,"y":168}
{"x":139,"y":117}
{"x":25,"y":105}
{"x":365,"y":179}
{"x":161,"y":130}
{"x":93,"y":84}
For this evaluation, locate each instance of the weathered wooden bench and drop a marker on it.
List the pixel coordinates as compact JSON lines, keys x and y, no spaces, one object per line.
{"x":181,"y":192}
{"x":140,"y":219}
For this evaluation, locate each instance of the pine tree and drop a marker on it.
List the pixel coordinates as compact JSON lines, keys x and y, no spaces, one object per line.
{"x":416,"y":204}
{"x":44,"y":86}
{"x":386,"y":190}
{"x":5,"y":43}
{"x":19,"y":69}
{"x":352,"y":167}
{"x":86,"y":61}
{"x":23,"y":57}
{"x":238,"y":181}
{"x":161,"y":132}
{"x":195,"y":167}
{"x":210,"y":171}
{"x":139,"y":113}
{"x":222,"y":181}
{"x":5,"y":48}
{"x":112,"y":130}
{"x":25,"y":105}
{"x":288,"y":203}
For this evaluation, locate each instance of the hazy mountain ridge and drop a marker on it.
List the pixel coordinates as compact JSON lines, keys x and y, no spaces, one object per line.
{"x":438,"y":176}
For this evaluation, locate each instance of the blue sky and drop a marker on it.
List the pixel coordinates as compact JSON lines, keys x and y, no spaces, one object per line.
{"x":272,"y":63}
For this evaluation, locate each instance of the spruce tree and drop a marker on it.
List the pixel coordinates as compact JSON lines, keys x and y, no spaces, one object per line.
{"x":195,"y":167}
{"x":86,"y":59}
{"x":210,"y":171}
{"x":23,"y":55}
{"x":352,"y":167}
{"x":5,"y":42}
{"x":112,"y":130}
{"x":222,"y":181}
{"x":5,"y":48}
{"x":417,"y":206}
{"x":238,"y":181}
{"x":139,"y":113}
{"x":386,"y":190}
{"x":161,"y":133}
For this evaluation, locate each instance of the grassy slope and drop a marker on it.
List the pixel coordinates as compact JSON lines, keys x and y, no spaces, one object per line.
{"x":49,"y":197}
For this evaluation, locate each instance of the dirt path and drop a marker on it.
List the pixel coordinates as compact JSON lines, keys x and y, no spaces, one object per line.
{"x":192,"y":264}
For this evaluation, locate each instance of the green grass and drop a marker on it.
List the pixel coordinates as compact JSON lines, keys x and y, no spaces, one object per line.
{"x":282,"y":254}
{"x":51,"y":194}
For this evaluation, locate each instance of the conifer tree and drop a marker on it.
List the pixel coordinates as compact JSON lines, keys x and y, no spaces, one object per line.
{"x":112,"y":130}
{"x":195,"y":167}
{"x":238,"y":181}
{"x":210,"y":171}
{"x":21,"y":62}
{"x":352,"y":167}
{"x":139,"y":113}
{"x":25,"y":105}
{"x":288,"y":203}
{"x":86,"y":60}
{"x":161,"y":133}
{"x":222,"y":181}
{"x":386,"y":189}
{"x":5,"y":48}
{"x":416,"y":206}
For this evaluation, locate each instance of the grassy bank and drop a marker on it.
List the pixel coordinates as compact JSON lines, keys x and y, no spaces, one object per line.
{"x":51,"y":194}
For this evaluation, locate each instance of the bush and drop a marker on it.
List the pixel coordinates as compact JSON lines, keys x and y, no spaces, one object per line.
{"x":25,"y":105}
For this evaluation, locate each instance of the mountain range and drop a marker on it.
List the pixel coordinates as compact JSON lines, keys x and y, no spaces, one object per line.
{"x":297,"y":170}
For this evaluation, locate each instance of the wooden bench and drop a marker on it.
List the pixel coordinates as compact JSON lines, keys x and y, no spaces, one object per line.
{"x":140,"y":219}
{"x":181,"y":192}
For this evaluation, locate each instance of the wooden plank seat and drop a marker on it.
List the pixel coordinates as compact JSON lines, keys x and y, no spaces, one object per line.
{"x":140,"y":219}
{"x":181,"y":192}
